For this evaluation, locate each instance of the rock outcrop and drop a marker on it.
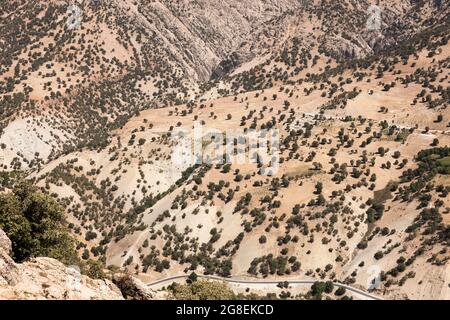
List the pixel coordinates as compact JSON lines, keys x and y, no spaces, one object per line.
{"x":46,"y":278}
{"x":133,"y":288}
{"x":9,"y":272}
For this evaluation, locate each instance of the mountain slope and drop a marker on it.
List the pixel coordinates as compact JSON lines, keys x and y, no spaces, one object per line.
{"x":353,"y":198}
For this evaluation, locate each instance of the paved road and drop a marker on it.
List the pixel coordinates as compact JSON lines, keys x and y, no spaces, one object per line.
{"x":266,"y":282}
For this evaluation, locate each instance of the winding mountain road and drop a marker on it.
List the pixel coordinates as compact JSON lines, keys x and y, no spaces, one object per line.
{"x":265,"y":282}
